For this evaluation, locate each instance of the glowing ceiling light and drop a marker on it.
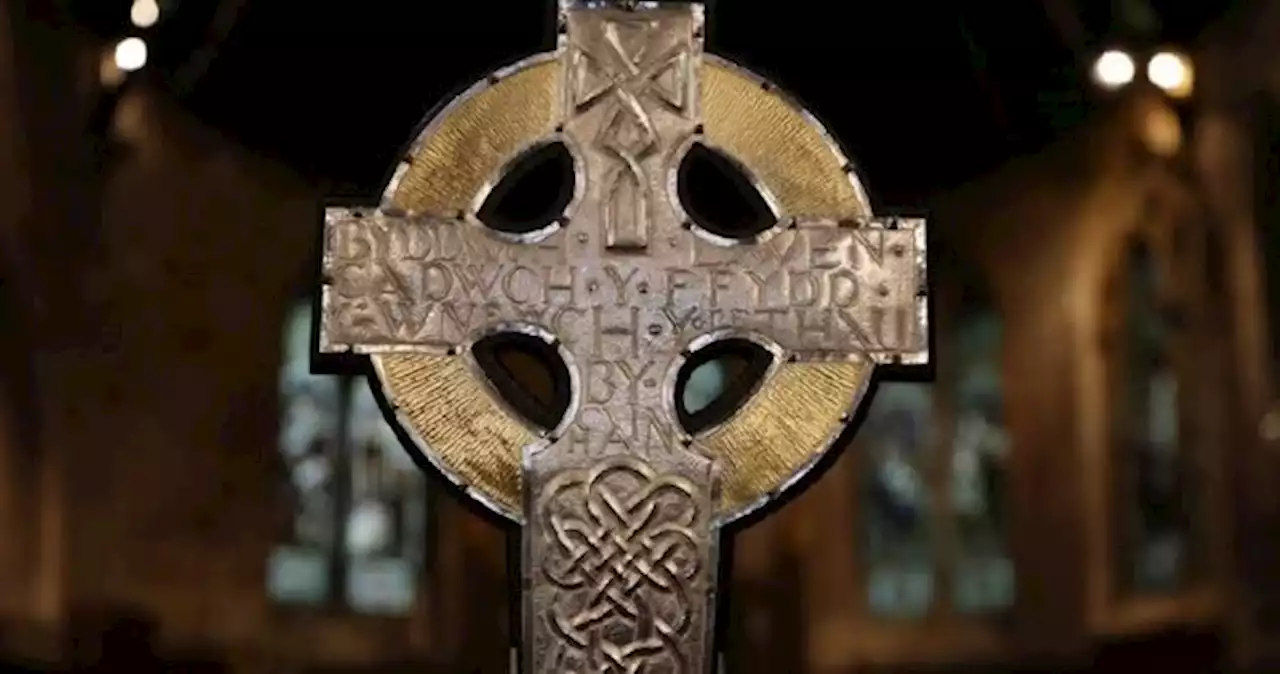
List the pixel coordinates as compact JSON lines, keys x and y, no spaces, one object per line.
{"x":144,"y":13}
{"x":1113,"y":69}
{"x":131,"y":54}
{"x":1172,"y":72}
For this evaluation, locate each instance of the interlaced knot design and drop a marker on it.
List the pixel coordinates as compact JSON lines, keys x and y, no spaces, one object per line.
{"x":624,"y":546}
{"x":628,"y":135}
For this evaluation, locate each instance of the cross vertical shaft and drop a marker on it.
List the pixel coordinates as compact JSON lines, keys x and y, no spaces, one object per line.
{"x":619,"y":541}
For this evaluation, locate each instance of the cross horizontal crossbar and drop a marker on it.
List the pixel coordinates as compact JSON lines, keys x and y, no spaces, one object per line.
{"x":817,"y":287}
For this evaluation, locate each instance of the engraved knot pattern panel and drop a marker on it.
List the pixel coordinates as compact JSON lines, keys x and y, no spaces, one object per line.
{"x":624,"y":549}
{"x":631,"y":96}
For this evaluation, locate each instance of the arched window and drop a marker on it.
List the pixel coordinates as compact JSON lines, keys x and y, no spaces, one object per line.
{"x":1154,"y":504}
{"x":359,"y":527}
{"x":979,"y":455}
{"x":896,"y":441}
{"x":932,"y":467}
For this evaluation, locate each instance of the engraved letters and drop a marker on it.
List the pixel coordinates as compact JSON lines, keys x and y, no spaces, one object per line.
{"x":620,"y":503}
{"x":833,"y":288}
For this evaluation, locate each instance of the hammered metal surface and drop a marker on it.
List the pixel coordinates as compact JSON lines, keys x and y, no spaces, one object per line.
{"x":621,"y":507}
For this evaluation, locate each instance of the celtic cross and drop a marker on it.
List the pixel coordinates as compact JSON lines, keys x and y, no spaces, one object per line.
{"x":621,"y":503}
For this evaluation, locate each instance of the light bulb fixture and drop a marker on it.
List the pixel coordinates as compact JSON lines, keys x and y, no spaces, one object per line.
{"x":1172,"y":72}
{"x":131,"y":54}
{"x":1113,"y":69}
{"x":144,"y":13}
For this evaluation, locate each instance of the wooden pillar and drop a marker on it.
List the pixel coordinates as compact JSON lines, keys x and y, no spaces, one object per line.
{"x":47,"y":174}
{"x":1237,"y":63}
{"x":16,"y":487}
{"x":54,"y":77}
{"x":754,"y":615}
{"x":1225,"y":164}
{"x":825,"y":534}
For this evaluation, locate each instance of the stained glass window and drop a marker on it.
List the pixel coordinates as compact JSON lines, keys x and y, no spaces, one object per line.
{"x":705,"y":384}
{"x":359,"y":527}
{"x":979,"y":447}
{"x":933,"y":480}
{"x":1151,"y":471}
{"x":897,"y":549}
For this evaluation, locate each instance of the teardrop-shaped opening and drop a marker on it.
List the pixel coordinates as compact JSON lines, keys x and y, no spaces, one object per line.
{"x":529,"y":375}
{"x":717,"y":380}
{"x":535,"y":190}
{"x":719,"y":197}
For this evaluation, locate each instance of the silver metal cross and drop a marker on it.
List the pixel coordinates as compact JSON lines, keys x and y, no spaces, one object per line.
{"x":620,"y":505}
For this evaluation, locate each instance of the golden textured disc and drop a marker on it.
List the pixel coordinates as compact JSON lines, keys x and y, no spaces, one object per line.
{"x":799,"y":411}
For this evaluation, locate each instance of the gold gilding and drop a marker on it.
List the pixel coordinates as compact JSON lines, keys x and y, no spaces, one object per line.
{"x":466,"y":147}
{"x":451,"y":412}
{"x":783,"y":428}
{"x":797,"y":412}
{"x":781,"y":431}
{"x":778,"y":143}
{"x":477,"y":137}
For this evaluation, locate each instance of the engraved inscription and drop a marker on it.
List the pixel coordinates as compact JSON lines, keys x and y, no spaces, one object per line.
{"x":434,"y":283}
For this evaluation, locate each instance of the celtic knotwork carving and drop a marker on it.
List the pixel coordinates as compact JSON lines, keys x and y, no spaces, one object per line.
{"x":624,"y":548}
{"x":621,"y":505}
{"x":623,"y":76}
{"x":632,"y":76}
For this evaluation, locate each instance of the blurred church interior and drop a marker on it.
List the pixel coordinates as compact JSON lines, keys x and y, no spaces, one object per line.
{"x":1090,"y":484}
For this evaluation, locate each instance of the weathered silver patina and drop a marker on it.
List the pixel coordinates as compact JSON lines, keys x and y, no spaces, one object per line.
{"x":620,"y":505}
